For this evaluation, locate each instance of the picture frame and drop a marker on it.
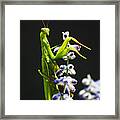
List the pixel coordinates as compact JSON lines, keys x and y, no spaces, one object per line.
{"x":116,"y":3}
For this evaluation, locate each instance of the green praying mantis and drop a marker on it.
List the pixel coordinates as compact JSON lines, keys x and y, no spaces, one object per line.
{"x":48,"y":60}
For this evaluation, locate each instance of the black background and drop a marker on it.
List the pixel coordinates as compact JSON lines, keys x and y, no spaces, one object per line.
{"x":85,"y":31}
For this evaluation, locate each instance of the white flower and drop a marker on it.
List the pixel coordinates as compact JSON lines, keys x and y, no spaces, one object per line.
{"x":69,"y":69}
{"x":63,"y":67}
{"x":77,"y":47}
{"x":56,"y":49}
{"x":67,"y":97}
{"x":60,"y":96}
{"x":65,"y":34}
{"x":92,"y":89}
{"x":56,"y":96}
{"x":88,"y":96}
{"x":69,"y":56}
{"x":82,"y":92}
{"x":93,"y":86}
{"x":68,"y":83}
{"x":87,"y":81}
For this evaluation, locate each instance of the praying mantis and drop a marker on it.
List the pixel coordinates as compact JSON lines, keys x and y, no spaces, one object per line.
{"x":48,"y":60}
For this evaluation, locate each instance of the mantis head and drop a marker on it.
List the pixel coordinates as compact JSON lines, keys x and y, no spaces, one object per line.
{"x":45,"y":31}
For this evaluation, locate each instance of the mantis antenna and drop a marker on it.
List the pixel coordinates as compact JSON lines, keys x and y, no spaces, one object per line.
{"x":47,"y":24}
{"x":43,"y":23}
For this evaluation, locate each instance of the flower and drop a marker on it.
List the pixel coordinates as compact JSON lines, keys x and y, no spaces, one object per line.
{"x":92,"y":89}
{"x":87,"y":81}
{"x":77,"y":47}
{"x":68,"y":83}
{"x":67,"y":97}
{"x":56,"y":96}
{"x":65,"y":87}
{"x":65,"y":34}
{"x":87,"y":95}
{"x":60,"y":96}
{"x":69,"y":69}
{"x":69,"y":56}
{"x":93,"y":86}
{"x":56,"y":49}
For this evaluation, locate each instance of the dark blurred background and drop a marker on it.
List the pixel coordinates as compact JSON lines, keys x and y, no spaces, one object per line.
{"x":85,"y":31}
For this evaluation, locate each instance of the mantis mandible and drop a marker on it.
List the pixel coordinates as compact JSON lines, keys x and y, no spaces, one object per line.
{"x":49,"y":65}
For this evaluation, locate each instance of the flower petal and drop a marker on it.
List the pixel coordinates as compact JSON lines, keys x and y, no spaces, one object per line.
{"x":58,"y":80}
{"x":71,"y":69}
{"x":70,"y":66}
{"x":77,"y":47}
{"x":65,"y":58}
{"x":65,"y":34}
{"x":67,"y":90}
{"x":74,"y":81}
{"x":56,"y":96}
{"x":56,"y":49}
{"x":66,"y":97}
{"x":71,"y":55}
{"x":59,"y":72}
{"x":72,"y":88}
{"x":71,"y":72}
{"x":63,"y":67}
{"x":70,"y":80}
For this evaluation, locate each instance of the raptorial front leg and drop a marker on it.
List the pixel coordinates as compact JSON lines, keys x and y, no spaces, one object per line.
{"x":64,"y":49}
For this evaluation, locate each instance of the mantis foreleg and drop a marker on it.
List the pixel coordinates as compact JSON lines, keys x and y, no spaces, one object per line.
{"x":63,"y":50}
